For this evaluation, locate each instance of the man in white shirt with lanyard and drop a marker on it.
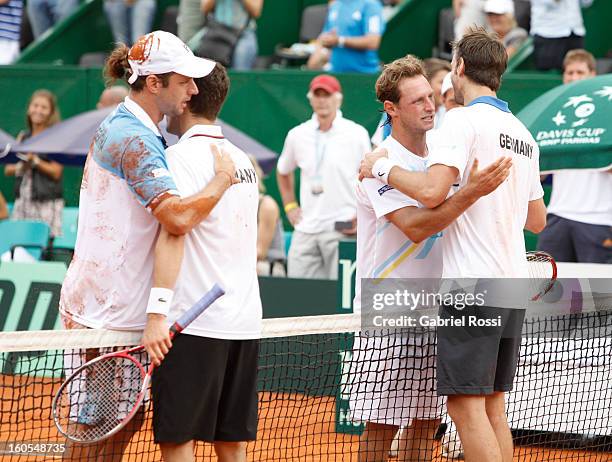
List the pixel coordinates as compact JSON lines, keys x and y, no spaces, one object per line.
{"x":398,"y":238}
{"x":327,"y":148}
{"x":475,"y":370}
{"x":206,"y":386}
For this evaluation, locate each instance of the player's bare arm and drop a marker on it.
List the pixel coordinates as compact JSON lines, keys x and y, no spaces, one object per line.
{"x":169,"y":251}
{"x":430,"y":188}
{"x":420,"y":223}
{"x":536,"y":216}
{"x":179,"y":216}
{"x":286,"y":186}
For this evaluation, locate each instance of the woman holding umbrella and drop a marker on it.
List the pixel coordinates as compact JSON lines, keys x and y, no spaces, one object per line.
{"x":39,"y":194}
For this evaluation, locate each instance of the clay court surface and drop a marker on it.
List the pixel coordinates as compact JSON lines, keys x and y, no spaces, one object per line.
{"x":292,"y":428}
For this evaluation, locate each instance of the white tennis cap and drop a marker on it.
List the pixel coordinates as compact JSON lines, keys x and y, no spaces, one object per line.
{"x":447,"y":84}
{"x":499,"y":6}
{"x":160,"y":52}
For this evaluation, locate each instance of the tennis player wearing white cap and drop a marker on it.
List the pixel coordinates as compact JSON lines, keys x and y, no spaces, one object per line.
{"x":126,"y":193}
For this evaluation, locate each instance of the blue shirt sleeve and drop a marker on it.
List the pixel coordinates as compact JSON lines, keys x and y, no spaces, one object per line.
{"x":329,"y":23}
{"x":373,"y":18}
{"x":145,"y":170}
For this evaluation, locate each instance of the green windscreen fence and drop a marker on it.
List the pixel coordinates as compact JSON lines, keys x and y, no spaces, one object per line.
{"x":264,"y":105}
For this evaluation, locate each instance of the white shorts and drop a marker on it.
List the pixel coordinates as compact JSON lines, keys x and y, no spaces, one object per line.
{"x":84,"y":390}
{"x":392,"y":380}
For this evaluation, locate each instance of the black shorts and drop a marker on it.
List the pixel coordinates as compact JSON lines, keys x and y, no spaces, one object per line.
{"x":206,"y":389}
{"x":478,"y":359}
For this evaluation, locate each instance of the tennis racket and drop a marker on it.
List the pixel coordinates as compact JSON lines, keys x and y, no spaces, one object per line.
{"x":543,"y":272}
{"x":100,"y":397}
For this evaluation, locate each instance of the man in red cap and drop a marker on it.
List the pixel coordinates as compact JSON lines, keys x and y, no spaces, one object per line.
{"x":327,"y":148}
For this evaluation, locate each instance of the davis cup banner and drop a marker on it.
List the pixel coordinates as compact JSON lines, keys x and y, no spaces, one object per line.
{"x":572,"y":125}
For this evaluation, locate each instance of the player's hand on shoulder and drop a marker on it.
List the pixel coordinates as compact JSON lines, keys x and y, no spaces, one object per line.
{"x":224,"y":163}
{"x":365,"y":168}
{"x":156,"y":337}
{"x":487,"y":180}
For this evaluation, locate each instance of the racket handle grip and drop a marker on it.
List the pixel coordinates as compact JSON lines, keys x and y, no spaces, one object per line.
{"x":197,"y":309}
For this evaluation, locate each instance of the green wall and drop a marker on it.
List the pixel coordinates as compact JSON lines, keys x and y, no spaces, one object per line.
{"x":265,"y":104}
{"x":413,"y":29}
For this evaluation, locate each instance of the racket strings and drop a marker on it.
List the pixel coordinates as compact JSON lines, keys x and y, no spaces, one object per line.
{"x":541,"y":273}
{"x":97,"y":399}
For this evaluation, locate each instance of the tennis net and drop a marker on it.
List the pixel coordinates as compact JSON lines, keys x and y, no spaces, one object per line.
{"x":316,"y":374}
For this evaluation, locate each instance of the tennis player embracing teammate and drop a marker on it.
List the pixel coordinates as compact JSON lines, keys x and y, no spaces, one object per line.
{"x":486,"y":241}
{"x":399,"y":238}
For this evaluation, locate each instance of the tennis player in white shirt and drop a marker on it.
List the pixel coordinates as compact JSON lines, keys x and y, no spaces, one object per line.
{"x":474,"y":370}
{"x":205,"y":389}
{"x":399,"y":238}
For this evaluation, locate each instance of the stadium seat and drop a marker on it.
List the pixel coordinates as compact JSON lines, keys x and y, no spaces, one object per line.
{"x":288,"y":235}
{"x":168,"y":22}
{"x":446,"y":33}
{"x":69,"y":229}
{"x":93,"y":59}
{"x":32,"y":235}
{"x":312,"y":22}
{"x":603,"y":66}
{"x":522,"y":13}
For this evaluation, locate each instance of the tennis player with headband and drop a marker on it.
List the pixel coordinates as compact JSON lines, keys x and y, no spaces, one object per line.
{"x":126,"y":193}
{"x":475,"y":370}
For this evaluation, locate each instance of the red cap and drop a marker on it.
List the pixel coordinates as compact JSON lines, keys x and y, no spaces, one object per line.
{"x":325,"y":82}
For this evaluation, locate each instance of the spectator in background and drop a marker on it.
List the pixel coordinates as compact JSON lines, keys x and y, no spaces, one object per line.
{"x":44,"y":14}
{"x":579,"y":223}
{"x":238,"y":14}
{"x":327,"y":149}
{"x":271,"y":257}
{"x":500,"y":16}
{"x":11,"y":12}
{"x":3,"y":207}
{"x":129,"y":19}
{"x":467,"y":14}
{"x":557,"y":28}
{"x":350,"y":38}
{"x":39,"y":194}
{"x":436,"y":69}
{"x":112,"y":96}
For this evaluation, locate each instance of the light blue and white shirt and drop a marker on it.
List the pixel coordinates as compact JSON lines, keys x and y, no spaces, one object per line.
{"x":125,"y":177}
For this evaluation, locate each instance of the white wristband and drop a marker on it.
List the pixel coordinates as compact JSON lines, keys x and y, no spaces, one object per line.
{"x":381,"y":169}
{"x":160,"y":300}
{"x":341,"y":41}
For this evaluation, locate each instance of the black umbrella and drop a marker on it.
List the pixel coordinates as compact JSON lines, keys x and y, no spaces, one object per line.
{"x":68,"y":141}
